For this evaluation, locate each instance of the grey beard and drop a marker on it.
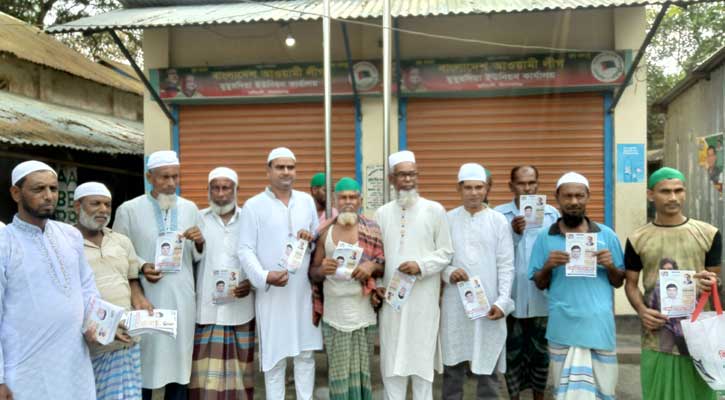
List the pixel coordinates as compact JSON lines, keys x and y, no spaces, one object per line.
{"x":407,"y":198}
{"x":222,"y":210}
{"x":166,"y":201}
{"x":87,"y":221}
{"x":347,"y":218}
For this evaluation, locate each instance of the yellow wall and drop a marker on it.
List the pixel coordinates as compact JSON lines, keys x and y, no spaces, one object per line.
{"x":619,"y":29}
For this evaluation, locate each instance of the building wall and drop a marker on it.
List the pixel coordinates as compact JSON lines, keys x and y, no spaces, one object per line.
{"x":699,"y":111}
{"x":620,"y":29}
{"x":58,"y":87}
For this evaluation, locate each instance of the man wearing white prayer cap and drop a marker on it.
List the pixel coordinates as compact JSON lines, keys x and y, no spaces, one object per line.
{"x":116,"y":269}
{"x":483,"y":249}
{"x":580,"y":330}
{"x":147,"y":220}
{"x":417,"y":242}
{"x":46,"y":290}
{"x":223,"y":369}
{"x":271,"y":221}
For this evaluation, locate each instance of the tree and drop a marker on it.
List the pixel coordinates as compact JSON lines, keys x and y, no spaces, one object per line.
{"x":45,"y":13}
{"x":686,"y":37}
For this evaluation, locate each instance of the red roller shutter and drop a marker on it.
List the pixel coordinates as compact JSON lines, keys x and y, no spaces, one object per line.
{"x":241,"y":136}
{"x":557,"y":133}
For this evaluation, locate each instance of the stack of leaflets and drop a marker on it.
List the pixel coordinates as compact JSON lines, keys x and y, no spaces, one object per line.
{"x":162,"y":321}
{"x":225,"y":281}
{"x":169,"y":251}
{"x":582,"y":249}
{"x":295,"y":253}
{"x":104,"y":317}
{"x":399,"y":289}
{"x":347,"y":257}
{"x":677,"y":293}
{"x":532,"y":208}
{"x":474,"y":298}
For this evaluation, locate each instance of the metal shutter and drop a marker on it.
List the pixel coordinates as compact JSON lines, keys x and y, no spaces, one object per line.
{"x":241,"y":136}
{"x":557,"y":133}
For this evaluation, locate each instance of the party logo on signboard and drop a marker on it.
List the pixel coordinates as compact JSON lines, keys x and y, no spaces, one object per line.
{"x":366,"y":75}
{"x":607,"y":66}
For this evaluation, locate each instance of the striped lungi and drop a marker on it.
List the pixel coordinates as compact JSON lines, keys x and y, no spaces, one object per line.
{"x":222,"y":366}
{"x":349,"y":357}
{"x":118,"y":374}
{"x":527,"y":356}
{"x":582,"y":374}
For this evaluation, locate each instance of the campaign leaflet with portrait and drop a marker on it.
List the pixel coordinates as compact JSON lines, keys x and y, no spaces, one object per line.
{"x":169,"y":251}
{"x":347,"y":256}
{"x":295,"y":255}
{"x":225,"y":281}
{"x":162,"y":321}
{"x":677,"y":293}
{"x":473,"y":297}
{"x":532,"y":208}
{"x":399,"y":289}
{"x":104,"y":317}
{"x":582,"y":249}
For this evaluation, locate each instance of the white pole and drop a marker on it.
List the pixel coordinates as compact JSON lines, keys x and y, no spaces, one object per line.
{"x":387,"y":82}
{"x":328,"y":106}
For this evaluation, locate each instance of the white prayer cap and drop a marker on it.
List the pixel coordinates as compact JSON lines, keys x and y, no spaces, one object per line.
{"x":472,"y":172}
{"x":162,"y":158}
{"x":280,"y":152}
{"x":91,"y":189}
{"x":400,"y":157}
{"x":28,"y":167}
{"x":572,"y":177}
{"x":223,"y":172}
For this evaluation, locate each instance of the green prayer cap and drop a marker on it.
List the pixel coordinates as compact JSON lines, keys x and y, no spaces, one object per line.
{"x":318,"y":180}
{"x":488,"y":175}
{"x":662,"y":174}
{"x":346,"y":184}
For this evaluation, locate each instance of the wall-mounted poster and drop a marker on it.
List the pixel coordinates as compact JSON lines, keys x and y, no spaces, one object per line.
{"x":710,"y":157}
{"x":630,"y":163}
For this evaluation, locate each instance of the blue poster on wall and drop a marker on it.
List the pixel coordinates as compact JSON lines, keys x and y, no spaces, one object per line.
{"x":630,"y":163}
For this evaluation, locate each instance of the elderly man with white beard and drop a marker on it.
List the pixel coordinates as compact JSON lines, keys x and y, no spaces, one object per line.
{"x":165,"y":361}
{"x":348,"y":318}
{"x":223,"y":368}
{"x":117,"y":366}
{"x":417,"y":242}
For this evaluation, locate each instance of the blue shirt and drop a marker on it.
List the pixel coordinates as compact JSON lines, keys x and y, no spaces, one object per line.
{"x":529,"y":300}
{"x":581,"y":309}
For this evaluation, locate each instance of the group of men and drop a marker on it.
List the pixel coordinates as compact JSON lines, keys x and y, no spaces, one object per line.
{"x":540,"y":322}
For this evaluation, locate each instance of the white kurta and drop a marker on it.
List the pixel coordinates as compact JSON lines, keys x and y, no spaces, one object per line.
{"x":163,"y":359}
{"x":45,"y":285}
{"x":220,"y":252}
{"x":284,"y":314}
{"x":482,"y":246}
{"x":409,"y":338}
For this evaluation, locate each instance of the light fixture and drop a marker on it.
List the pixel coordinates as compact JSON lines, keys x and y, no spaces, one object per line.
{"x":289,"y":40}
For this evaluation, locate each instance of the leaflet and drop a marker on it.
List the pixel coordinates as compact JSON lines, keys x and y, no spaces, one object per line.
{"x":225,"y":281}
{"x":473,"y":297}
{"x":582,"y":249}
{"x":162,"y":321}
{"x":295,"y":255}
{"x":169,"y":251}
{"x":399,"y":289}
{"x":532,"y":208}
{"x":677,"y":293}
{"x":104,"y":317}
{"x":348,"y":258}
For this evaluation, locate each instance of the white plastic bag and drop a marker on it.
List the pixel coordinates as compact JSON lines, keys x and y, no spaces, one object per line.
{"x":705,"y":338}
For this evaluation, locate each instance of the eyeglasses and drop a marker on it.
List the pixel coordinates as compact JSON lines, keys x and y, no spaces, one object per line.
{"x":403,"y":175}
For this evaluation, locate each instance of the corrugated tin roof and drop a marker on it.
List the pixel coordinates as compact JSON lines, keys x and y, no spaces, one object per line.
{"x":702,"y":71}
{"x":121,"y":68}
{"x":32,"y":122}
{"x":165,"y":13}
{"x":29,"y":43}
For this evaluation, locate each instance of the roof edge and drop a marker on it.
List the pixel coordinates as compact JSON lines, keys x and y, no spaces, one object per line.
{"x":702,"y":71}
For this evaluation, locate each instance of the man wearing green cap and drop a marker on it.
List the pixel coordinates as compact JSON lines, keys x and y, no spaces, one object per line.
{"x":348,"y":320}
{"x":319,"y":193}
{"x":667,"y":370}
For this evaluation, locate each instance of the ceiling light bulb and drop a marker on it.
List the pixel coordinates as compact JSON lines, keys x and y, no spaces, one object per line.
{"x":290,"y":41}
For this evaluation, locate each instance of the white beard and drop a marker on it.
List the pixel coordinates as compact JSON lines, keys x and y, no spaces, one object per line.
{"x":88,"y":221}
{"x":166,"y":201}
{"x":407,"y":198}
{"x":347,"y":218}
{"x":222,"y":210}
